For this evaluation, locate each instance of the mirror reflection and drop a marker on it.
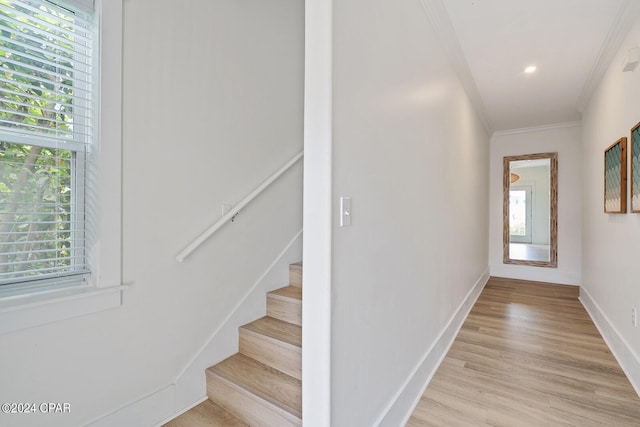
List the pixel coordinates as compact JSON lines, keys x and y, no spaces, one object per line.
{"x":530,"y":205}
{"x":529,"y":210}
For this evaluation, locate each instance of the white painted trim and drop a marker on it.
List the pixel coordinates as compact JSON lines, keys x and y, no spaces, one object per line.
{"x":439,"y":17}
{"x":627,"y":15}
{"x":624,"y":354}
{"x":397,"y":412}
{"x":49,"y":296}
{"x":105,"y":254}
{"x":150,"y":410}
{"x":542,"y":128}
{"x":181,"y":411}
{"x":317,"y":213}
{"x":27,"y":311}
{"x":146,"y":411}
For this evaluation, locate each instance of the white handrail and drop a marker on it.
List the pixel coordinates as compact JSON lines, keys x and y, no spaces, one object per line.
{"x":234,"y":211}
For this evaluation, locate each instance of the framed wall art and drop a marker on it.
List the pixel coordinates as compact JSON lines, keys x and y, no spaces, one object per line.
{"x":615,"y":177}
{"x":634,"y":150}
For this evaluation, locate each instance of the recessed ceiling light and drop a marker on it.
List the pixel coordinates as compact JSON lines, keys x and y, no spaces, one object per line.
{"x":530,"y":69}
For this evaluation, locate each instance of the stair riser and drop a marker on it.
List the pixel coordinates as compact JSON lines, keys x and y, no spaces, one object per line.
{"x":282,"y":358}
{"x":285,"y":310}
{"x":295,"y":277}
{"x":252,"y":411}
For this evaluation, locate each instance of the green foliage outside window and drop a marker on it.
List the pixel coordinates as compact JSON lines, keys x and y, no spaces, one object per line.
{"x":36,"y":97}
{"x":35,"y":194}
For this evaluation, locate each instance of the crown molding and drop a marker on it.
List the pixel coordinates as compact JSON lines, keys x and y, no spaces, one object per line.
{"x":627,"y":16}
{"x":438,"y":16}
{"x":537,"y":128}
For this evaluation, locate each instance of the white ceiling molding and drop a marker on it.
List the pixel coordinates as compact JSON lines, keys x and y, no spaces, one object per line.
{"x":439,"y":18}
{"x":537,"y":128}
{"x":629,"y":12}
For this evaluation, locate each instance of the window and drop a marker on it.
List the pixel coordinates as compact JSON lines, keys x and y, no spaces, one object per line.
{"x":74,"y":147}
{"x":520,"y":214}
{"x":46,"y":128}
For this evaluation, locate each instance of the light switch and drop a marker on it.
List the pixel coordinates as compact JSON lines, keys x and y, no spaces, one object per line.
{"x":345,"y":211}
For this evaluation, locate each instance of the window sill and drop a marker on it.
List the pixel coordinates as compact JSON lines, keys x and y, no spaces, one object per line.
{"x":26,"y":311}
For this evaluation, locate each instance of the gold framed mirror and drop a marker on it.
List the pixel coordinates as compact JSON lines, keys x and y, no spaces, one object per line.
{"x":530,"y":210}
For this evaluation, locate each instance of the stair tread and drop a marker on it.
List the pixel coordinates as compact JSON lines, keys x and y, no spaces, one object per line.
{"x":261,"y":380}
{"x":296,"y":266}
{"x":286,"y":304}
{"x":275,"y":329}
{"x":288,"y":292}
{"x":206,"y":414}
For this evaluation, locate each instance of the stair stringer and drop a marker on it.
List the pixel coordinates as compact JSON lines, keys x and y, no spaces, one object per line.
{"x":190,"y":384}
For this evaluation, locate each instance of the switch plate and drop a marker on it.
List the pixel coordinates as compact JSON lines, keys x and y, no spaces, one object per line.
{"x":345,"y":211}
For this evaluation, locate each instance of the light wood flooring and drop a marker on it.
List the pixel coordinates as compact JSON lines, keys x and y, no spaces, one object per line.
{"x":528,"y":252}
{"x":528,"y":355}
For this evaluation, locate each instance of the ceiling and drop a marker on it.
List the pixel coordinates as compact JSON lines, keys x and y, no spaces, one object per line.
{"x":571,"y":42}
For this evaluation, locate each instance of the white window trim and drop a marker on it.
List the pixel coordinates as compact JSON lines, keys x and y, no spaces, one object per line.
{"x":104,"y":291}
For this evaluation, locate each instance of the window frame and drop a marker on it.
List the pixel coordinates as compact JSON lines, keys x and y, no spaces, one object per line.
{"x":44,"y":233}
{"x":102,"y":289}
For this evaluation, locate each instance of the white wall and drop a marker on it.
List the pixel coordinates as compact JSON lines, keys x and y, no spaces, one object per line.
{"x":611,"y":242}
{"x":212,"y":106}
{"x":565,"y":140}
{"x":411,"y":152}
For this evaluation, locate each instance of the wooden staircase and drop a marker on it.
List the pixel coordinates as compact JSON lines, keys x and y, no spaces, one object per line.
{"x":261,"y":384}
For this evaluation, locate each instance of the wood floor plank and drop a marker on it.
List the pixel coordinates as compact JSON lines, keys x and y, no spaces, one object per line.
{"x":206,"y":414}
{"x":528,"y":354}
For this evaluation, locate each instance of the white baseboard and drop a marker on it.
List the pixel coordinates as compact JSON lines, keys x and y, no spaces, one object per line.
{"x":174,"y":414}
{"x":626,"y":357}
{"x":401,"y":406}
{"x":147,"y":411}
{"x":526,"y":272}
{"x":189,"y":388}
